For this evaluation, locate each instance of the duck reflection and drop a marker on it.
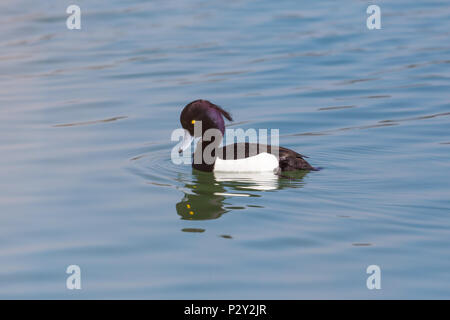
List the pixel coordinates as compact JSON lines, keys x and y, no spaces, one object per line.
{"x":205,"y":198}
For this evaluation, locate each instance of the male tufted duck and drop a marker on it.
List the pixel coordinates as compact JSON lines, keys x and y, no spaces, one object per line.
{"x":237,"y":157}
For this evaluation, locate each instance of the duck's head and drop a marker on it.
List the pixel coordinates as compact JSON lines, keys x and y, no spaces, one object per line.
{"x":203,"y":112}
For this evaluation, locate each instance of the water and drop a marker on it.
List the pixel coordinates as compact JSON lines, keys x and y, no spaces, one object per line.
{"x":86,"y":177}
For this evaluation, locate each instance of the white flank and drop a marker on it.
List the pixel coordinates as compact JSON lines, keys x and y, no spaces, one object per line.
{"x":262,"y":162}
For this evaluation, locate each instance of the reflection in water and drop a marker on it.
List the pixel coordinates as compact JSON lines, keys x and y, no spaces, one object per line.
{"x":204,"y":200}
{"x":208,"y":191}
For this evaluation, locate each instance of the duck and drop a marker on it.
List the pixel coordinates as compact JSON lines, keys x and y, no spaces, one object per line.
{"x":238,"y":157}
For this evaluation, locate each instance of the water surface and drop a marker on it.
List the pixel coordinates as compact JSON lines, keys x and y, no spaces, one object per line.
{"x":86,"y":177}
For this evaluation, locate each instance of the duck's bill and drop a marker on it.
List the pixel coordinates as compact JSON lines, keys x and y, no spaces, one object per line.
{"x":187,"y":140}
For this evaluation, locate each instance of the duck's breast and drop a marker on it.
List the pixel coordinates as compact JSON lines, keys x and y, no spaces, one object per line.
{"x":262,"y":162}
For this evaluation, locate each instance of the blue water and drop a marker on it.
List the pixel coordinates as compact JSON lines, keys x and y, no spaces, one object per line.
{"x":86,"y":177}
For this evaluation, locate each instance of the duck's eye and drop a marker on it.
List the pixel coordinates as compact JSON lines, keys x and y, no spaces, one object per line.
{"x":193,"y":121}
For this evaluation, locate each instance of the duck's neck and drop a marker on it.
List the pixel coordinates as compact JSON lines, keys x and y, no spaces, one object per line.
{"x":205,"y":154}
